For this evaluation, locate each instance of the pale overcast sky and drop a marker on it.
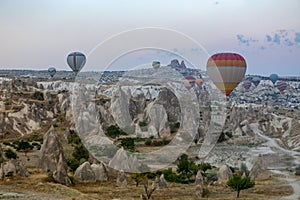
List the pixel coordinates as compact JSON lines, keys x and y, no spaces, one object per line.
{"x":36,"y":34}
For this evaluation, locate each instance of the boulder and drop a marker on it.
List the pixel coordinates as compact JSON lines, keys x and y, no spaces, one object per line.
{"x":224,"y":173}
{"x":52,"y":158}
{"x":124,"y":161}
{"x":258,"y":170}
{"x":99,"y":171}
{"x":51,"y":151}
{"x":84,"y":173}
{"x":122,"y":179}
{"x":199,"y":178}
{"x":160,"y":182}
{"x":60,"y":175}
{"x":9,"y":168}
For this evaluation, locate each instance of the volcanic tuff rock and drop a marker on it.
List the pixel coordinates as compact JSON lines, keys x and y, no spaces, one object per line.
{"x":52,"y":158}
{"x":224,"y":173}
{"x":124,"y":161}
{"x":122,"y":179}
{"x":100,"y":172}
{"x":84,"y":173}
{"x":258,"y":170}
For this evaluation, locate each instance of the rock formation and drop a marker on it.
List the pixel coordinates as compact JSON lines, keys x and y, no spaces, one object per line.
{"x":100,"y":172}
{"x":123,"y":161}
{"x":84,"y":173}
{"x":224,"y":173}
{"x":52,"y":158}
{"x":258,"y":170}
{"x":122,"y":179}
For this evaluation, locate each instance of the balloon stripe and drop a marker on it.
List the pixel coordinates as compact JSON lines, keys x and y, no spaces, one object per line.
{"x":240,"y":63}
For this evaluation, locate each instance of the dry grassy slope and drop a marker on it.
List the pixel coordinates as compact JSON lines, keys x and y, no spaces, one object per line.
{"x":38,"y":184}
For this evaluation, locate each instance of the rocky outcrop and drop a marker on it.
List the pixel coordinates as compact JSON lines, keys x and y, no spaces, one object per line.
{"x":100,"y":172}
{"x":122,"y":179}
{"x":60,"y":175}
{"x":224,"y":174}
{"x":84,"y":173}
{"x":175,"y":64}
{"x":159,"y":121}
{"x":13,"y":168}
{"x":124,"y":161}
{"x":258,"y":170}
{"x":52,"y":158}
{"x":160,"y":182}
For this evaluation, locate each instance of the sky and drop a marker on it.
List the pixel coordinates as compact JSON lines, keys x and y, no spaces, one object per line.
{"x":39,"y":34}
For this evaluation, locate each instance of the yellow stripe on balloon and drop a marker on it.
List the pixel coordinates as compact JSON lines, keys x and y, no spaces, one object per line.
{"x":237,"y":63}
{"x":226,"y":86}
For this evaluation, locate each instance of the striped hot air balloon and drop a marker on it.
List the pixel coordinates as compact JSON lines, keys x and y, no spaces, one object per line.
{"x":76,"y":61}
{"x":189,"y":82}
{"x":155,"y":64}
{"x":281,"y":86}
{"x":226,"y":70}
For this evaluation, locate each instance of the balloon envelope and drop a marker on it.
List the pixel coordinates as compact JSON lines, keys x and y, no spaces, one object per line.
{"x":256,"y":81}
{"x":155,"y":64}
{"x":273,"y":78}
{"x":199,"y":82}
{"x":247,"y":84}
{"x":76,"y":61}
{"x":281,"y":86}
{"x":189,"y":82}
{"x":226,"y":70}
{"x":51,"y":71}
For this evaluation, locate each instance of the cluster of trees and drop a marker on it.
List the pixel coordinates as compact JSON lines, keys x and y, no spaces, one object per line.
{"x":80,"y":154}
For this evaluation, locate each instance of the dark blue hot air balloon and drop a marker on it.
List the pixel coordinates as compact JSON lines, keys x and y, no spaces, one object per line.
{"x":256,"y":81}
{"x":273,"y":78}
{"x":52,"y":71}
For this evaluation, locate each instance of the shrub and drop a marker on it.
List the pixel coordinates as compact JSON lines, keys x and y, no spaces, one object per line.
{"x":297,"y":171}
{"x":73,"y":164}
{"x":148,"y":142}
{"x":238,"y":183}
{"x":80,"y":152}
{"x":204,"y":166}
{"x":38,"y":96}
{"x":10,"y":154}
{"x":128,"y":144}
{"x":114,"y":131}
{"x":138,"y":178}
{"x":8,"y":102}
{"x":143,"y":123}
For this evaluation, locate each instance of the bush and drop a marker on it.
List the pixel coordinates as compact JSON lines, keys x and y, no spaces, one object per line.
{"x":204,"y":166}
{"x":174,"y":127}
{"x":38,"y":96}
{"x":143,"y":124}
{"x":80,"y":152}
{"x":148,"y":142}
{"x":297,"y":171}
{"x":10,"y":154}
{"x":238,"y":183}
{"x":8,"y":102}
{"x":114,"y":131}
{"x":128,"y":144}
{"x":73,"y":164}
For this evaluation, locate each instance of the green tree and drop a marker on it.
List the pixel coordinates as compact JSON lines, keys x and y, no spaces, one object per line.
{"x":204,"y":166}
{"x":128,"y":144}
{"x":138,"y":178}
{"x":10,"y":154}
{"x":24,"y":146}
{"x":238,"y":183}
{"x":297,"y":173}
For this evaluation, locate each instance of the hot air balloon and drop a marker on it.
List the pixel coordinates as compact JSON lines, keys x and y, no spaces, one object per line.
{"x":76,"y":61}
{"x":155,"y":64}
{"x":199,"y":82}
{"x":189,"y":82}
{"x":256,"y":81}
{"x":52,"y":71}
{"x":273,"y":78}
{"x":247,"y":84}
{"x":226,"y":70}
{"x":281,"y":86}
